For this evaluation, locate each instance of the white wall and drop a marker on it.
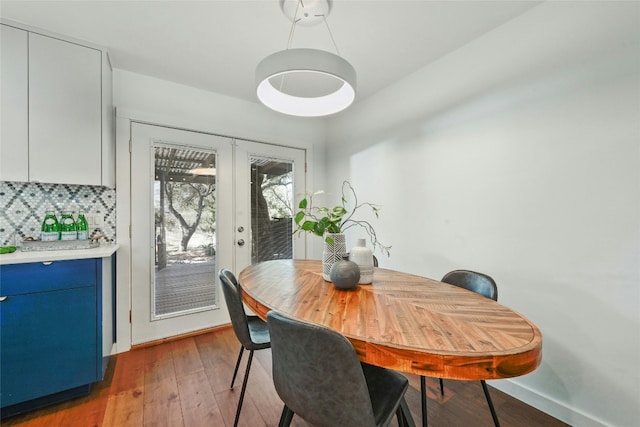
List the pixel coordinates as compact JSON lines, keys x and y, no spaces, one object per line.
{"x":148,"y":99}
{"x":519,"y":155}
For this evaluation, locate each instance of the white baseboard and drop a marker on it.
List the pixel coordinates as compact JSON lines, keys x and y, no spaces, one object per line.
{"x":119,"y":348}
{"x":546,"y":404}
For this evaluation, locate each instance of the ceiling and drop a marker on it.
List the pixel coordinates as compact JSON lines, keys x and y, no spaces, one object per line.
{"x":216,"y":45}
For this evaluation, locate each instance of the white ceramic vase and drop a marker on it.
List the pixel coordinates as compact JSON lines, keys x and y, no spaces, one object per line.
{"x":333,"y":252}
{"x":363,"y":256}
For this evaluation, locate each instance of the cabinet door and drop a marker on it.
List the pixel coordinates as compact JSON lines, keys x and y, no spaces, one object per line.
{"x":48,"y":342}
{"x":65,"y":108}
{"x":108,"y":125}
{"x":14,"y":124}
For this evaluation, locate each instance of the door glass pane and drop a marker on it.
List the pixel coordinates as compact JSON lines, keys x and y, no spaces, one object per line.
{"x":271,"y":209}
{"x":185,"y":230}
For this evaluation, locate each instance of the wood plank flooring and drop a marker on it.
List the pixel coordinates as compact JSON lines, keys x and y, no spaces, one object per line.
{"x":186,"y":383}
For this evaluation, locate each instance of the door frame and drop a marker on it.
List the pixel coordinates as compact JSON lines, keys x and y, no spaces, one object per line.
{"x":123,"y":122}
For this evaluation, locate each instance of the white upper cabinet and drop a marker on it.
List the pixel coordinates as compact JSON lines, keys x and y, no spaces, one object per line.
{"x":59,"y":112}
{"x":14,"y":123}
{"x":108,"y":126}
{"x":65,"y":112}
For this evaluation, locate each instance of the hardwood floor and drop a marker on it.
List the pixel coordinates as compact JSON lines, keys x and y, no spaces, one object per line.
{"x":186,"y":383}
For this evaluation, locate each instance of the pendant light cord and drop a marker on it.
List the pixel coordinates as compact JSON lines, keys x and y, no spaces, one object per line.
{"x":324,"y":18}
{"x":293,"y":25}
{"x":291,"y":33}
{"x":294,"y":22}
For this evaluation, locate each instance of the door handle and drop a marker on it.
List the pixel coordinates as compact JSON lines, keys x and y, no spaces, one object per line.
{"x":3,"y":298}
{"x":240,"y":242}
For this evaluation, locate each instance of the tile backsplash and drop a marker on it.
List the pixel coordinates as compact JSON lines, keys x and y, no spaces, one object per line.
{"x":23,"y":205}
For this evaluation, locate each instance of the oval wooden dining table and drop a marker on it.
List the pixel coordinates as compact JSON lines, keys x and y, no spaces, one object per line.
{"x":401,"y":321}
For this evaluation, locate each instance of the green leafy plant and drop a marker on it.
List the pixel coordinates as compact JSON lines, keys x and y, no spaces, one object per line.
{"x":322,"y":220}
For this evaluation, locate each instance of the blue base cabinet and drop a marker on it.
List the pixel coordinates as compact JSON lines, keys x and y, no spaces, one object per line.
{"x":50,"y":332}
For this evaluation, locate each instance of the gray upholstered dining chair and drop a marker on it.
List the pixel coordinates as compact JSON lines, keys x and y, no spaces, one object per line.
{"x":251,"y":331}
{"x":481,"y":284}
{"x":318,"y":376}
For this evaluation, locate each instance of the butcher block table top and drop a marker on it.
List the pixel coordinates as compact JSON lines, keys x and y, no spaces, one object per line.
{"x":402,"y":321}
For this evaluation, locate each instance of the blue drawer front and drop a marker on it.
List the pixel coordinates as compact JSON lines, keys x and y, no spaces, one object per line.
{"x":16,"y":279}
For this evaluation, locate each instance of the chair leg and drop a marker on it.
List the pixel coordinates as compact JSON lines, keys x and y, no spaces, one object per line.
{"x":400,"y":417}
{"x":490,"y":402}
{"x":441,"y":387}
{"x":286,"y":417}
{"x":235,"y":371}
{"x":244,"y":387}
{"x":423,"y":394}
{"x":404,"y":415}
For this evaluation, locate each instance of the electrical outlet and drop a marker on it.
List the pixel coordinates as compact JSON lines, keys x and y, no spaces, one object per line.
{"x":95,"y":220}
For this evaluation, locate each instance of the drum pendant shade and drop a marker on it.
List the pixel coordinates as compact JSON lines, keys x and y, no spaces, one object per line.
{"x":306,"y":82}
{"x":293,"y":61}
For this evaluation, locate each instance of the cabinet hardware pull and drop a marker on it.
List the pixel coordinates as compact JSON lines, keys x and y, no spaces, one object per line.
{"x":3,"y":298}
{"x":47,"y":262}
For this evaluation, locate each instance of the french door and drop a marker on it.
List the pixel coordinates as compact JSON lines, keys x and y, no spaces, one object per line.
{"x":202,"y":202}
{"x":270,"y":181}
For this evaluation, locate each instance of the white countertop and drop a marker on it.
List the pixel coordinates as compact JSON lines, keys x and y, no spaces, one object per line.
{"x":19,"y":257}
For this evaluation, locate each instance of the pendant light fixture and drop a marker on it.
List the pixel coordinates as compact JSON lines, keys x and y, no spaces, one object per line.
{"x":306,"y":82}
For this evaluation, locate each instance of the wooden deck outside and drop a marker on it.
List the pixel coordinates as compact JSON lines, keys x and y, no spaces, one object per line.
{"x":185,"y":286}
